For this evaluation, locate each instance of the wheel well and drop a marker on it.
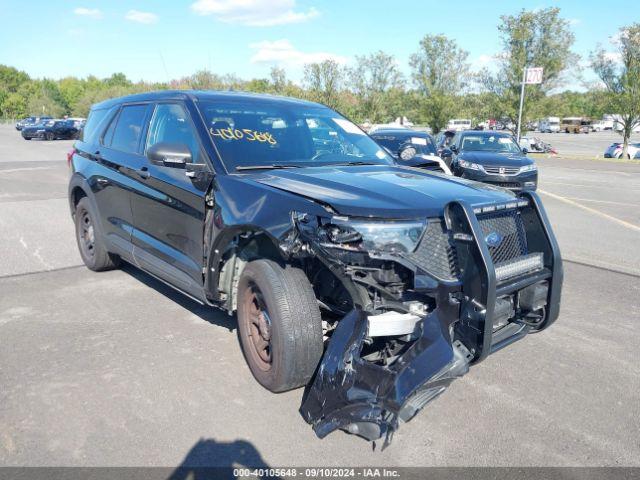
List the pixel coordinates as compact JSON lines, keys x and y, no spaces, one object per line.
{"x":76,"y":194}
{"x":242,"y":249}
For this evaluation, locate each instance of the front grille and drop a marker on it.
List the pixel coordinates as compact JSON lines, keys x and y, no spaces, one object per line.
{"x":502,"y":170}
{"x":436,"y":253}
{"x":508,"y":225}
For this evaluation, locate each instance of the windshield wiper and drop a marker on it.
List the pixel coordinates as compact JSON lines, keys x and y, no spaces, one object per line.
{"x":265,"y":167}
{"x":349,"y":164}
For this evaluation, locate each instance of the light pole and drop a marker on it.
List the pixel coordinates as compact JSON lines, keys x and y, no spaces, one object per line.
{"x":524,"y":77}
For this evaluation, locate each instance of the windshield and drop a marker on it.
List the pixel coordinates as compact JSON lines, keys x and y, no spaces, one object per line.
{"x":489,"y":143}
{"x":268,"y":133}
{"x":423,"y":144}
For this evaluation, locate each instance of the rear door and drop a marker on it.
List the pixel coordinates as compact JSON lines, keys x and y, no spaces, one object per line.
{"x":119,"y":156}
{"x":169,"y":207}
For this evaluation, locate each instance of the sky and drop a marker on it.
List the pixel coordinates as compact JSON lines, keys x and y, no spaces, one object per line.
{"x":162,"y":40}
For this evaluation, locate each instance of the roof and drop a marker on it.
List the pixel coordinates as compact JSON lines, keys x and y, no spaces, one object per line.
{"x":486,"y":133}
{"x":399,"y":132}
{"x":202,"y":95}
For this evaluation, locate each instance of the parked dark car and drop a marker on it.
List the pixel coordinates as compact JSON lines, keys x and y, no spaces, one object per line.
{"x":491,"y":157}
{"x":374,"y":284}
{"x":30,"y":121}
{"x":51,"y":130}
{"x":443,"y":140}
{"x":410,"y":148}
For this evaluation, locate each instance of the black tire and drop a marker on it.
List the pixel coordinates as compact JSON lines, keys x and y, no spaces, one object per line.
{"x":26,"y":138}
{"x":49,"y":136}
{"x":90,"y":243}
{"x":287,"y":320}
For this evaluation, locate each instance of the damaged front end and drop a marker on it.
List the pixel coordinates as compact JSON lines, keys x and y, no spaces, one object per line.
{"x":421,"y":302}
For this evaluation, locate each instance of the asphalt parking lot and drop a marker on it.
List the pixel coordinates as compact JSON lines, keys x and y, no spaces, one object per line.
{"x":117,"y":369}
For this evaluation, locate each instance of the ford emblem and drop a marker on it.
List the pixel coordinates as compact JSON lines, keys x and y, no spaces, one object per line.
{"x":494,"y":239}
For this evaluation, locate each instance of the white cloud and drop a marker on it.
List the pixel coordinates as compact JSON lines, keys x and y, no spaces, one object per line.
{"x":615,"y":57}
{"x":88,"y":12}
{"x":282,"y":52}
{"x":141,"y":17}
{"x":574,"y":21}
{"x":484,"y":61}
{"x":254,"y":13}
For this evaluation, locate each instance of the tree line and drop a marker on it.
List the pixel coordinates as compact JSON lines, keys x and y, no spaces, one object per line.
{"x":441,"y":84}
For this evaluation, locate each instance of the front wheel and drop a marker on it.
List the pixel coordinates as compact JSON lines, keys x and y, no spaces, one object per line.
{"x":279,"y":325}
{"x":49,"y":136}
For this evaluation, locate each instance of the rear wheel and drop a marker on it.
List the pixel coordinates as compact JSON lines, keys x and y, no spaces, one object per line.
{"x":279,"y":325}
{"x":49,"y":136}
{"x":91,"y":245}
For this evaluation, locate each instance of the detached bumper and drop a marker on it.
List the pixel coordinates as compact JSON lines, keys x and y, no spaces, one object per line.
{"x":369,"y":399}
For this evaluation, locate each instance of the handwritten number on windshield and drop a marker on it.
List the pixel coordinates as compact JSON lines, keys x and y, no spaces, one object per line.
{"x":243,"y":134}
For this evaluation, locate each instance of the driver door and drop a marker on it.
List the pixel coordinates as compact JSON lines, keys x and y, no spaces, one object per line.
{"x":169,"y":207}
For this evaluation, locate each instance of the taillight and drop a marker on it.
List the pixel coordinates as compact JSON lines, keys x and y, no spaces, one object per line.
{"x":70,"y":154}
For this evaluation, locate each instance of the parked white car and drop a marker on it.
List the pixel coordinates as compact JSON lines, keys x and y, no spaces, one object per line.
{"x":549,"y":125}
{"x":615,"y":150}
{"x":459,"y":124}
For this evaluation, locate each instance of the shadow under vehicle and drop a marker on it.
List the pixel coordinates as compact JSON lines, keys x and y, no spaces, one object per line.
{"x":371,"y":284}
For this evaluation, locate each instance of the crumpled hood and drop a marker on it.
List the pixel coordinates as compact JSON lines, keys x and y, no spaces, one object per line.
{"x":381,"y":190}
{"x":496,"y":159}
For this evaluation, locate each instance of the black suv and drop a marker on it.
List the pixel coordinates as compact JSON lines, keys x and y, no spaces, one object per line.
{"x":51,"y":130}
{"x":30,"y":121}
{"x":491,"y":157}
{"x":374,"y":284}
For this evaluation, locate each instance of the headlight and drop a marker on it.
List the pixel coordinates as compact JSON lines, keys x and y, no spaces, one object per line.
{"x":529,"y":168}
{"x":373,"y":236}
{"x":470,"y":165}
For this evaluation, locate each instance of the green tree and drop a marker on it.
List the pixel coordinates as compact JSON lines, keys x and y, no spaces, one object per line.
{"x":537,"y":38}
{"x":324,"y":81}
{"x":621,"y":77}
{"x":376,"y":81}
{"x":440,"y":71}
{"x":11,"y":78}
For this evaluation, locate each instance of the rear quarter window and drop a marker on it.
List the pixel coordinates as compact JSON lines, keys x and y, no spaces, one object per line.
{"x":92,"y":129}
{"x":128,"y":129}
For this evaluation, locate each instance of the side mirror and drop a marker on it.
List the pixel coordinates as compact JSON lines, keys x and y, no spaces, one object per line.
{"x":453,"y":148}
{"x":525,"y":150}
{"x":175,"y":155}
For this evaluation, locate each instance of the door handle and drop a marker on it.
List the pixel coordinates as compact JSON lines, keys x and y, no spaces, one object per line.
{"x":143,"y":172}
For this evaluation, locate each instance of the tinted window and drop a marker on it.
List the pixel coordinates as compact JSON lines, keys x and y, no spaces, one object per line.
{"x":128,"y":128}
{"x":489,"y":143}
{"x":90,"y":130}
{"x":391,"y":142}
{"x":260,"y":132}
{"x":171,"y":124}
{"x":422,"y":144}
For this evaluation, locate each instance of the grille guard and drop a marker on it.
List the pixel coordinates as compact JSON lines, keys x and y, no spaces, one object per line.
{"x":369,"y":400}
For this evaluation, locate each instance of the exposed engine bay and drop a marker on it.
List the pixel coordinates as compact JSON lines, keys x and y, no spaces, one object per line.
{"x":409,"y":305}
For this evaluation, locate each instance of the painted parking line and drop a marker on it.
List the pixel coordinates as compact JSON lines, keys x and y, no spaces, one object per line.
{"x":22,"y":169}
{"x":568,"y":184}
{"x":566,"y":200}
{"x":608,"y":202}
